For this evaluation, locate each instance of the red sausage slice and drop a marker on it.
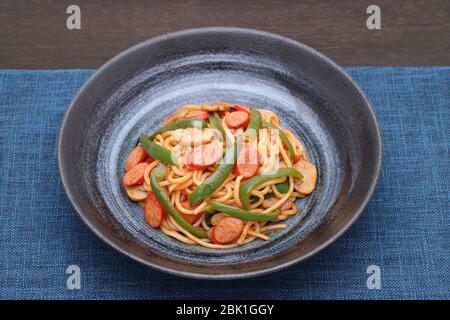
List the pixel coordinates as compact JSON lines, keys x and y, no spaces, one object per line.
{"x":247,"y":162}
{"x":241,"y":108}
{"x":135,"y":175}
{"x":137,"y":155}
{"x":154,"y":212}
{"x":203,"y":156}
{"x":237,"y":119}
{"x":197,"y":114}
{"x":189,"y":162}
{"x":190,"y":218}
{"x":227,"y":230}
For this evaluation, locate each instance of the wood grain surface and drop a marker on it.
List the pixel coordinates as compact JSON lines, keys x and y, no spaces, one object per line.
{"x":34,"y":35}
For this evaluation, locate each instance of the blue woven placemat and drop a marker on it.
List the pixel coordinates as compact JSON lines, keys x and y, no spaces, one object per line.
{"x":405,"y":230}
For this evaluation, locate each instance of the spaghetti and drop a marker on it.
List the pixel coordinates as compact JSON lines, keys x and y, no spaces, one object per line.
{"x":219,"y":175}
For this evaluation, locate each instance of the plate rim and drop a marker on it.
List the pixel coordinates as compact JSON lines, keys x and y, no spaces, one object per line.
{"x":227,"y":276}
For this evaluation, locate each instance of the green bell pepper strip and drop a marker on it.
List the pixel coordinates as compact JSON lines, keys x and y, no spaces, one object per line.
{"x":282,"y":187}
{"x":208,"y":216}
{"x":156,"y":151}
{"x":214,"y":181}
{"x":156,"y":176}
{"x":283,"y":137}
{"x":254,"y":124}
{"x":253,"y":199}
{"x":244,"y":190}
{"x":216,"y":124}
{"x":181,"y":124}
{"x":244,"y":214}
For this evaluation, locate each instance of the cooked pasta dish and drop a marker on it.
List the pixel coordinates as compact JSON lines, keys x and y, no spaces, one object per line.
{"x":219,"y":175}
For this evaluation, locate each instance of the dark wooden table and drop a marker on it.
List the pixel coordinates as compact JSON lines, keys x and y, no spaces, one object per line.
{"x":34,"y":35}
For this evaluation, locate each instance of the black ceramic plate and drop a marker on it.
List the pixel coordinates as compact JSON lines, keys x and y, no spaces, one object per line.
{"x":134,"y":91}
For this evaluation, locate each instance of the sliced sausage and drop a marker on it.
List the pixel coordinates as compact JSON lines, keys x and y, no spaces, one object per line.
{"x":154,"y":212}
{"x":288,"y":203}
{"x":190,"y":218}
{"x":309,"y":172}
{"x":217,"y":217}
{"x":189,"y":163}
{"x":135,"y":193}
{"x":203,"y":156}
{"x":135,"y":175}
{"x":137,"y":155}
{"x":238,"y":107}
{"x":247,"y":163}
{"x":269,"y":202}
{"x":197,"y":114}
{"x":237,"y":119}
{"x":193,"y":136}
{"x":227,"y":230}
